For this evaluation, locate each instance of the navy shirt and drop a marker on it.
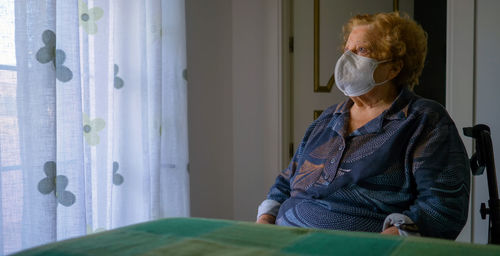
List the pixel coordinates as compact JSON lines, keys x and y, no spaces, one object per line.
{"x":408,"y":160}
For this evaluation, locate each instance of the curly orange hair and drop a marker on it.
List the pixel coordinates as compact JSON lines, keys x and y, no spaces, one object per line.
{"x":399,"y":38}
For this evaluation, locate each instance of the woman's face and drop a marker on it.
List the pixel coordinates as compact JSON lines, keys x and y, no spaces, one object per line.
{"x":360,"y":42}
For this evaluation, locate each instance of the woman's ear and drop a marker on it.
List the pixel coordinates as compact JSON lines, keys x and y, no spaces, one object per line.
{"x":396,"y":67}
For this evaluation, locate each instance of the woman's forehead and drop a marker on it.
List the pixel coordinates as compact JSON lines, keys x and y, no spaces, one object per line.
{"x":359,"y":35}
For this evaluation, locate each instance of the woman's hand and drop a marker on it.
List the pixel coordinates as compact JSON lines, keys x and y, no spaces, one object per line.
{"x":391,"y":231}
{"x":266,"y":219}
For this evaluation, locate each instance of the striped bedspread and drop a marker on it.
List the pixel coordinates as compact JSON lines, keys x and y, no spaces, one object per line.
{"x":195,"y":236}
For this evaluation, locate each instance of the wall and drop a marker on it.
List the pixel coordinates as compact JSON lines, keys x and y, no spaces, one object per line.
{"x":472,"y":88}
{"x":256,"y":80}
{"x":460,"y":78}
{"x":233,"y":105}
{"x":210,"y":107}
{"x":487,"y":92}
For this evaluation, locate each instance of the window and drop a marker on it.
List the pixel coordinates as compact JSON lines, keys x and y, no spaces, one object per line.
{"x":10,"y":162}
{"x":9,"y":132}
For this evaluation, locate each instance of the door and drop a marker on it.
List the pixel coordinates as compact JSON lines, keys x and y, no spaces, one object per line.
{"x":317,"y":37}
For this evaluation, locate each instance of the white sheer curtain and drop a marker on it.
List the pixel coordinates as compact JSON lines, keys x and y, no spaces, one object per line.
{"x":100,"y":119}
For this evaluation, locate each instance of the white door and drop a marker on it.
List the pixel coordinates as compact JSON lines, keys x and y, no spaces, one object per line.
{"x":330,"y":16}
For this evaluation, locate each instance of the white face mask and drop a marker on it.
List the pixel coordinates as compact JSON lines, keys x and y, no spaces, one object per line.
{"x":354,"y":74}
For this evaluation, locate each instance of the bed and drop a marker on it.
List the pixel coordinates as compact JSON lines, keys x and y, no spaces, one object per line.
{"x":196,"y":236}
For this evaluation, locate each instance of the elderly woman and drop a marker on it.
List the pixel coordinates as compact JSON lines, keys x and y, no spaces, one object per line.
{"x":385,"y":160}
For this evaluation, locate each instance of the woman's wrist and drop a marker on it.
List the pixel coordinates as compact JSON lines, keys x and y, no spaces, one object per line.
{"x":404,"y":225}
{"x":266,"y":219}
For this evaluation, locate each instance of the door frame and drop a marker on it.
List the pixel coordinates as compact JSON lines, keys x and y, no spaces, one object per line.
{"x":286,"y":86}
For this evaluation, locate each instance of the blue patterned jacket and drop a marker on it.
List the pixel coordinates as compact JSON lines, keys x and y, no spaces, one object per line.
{"x":409,"y":160}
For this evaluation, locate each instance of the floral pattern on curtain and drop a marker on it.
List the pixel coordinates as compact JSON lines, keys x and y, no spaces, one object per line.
{"x":101,"y":119}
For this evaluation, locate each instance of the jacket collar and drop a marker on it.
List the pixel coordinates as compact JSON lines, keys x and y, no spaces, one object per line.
{"x":397,"y":111}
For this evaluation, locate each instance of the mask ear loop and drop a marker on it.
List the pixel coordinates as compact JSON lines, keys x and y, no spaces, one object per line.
{"x":378,"y":63}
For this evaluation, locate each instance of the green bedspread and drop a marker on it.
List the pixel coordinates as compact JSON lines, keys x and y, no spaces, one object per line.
{"x":194,"y":236}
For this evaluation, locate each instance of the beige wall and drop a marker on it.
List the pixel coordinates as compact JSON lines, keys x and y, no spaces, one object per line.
{"x":487,"y":92}
{"x":256,"y":104}
{"x":472,"y":87}
{"x":210,"y":107}
{"x":233,"y":105}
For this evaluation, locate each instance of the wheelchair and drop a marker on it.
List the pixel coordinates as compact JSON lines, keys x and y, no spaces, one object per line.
{"x":483,"y":159}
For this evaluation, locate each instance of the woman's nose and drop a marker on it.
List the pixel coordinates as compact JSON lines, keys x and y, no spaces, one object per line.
{"x":352,"y":49}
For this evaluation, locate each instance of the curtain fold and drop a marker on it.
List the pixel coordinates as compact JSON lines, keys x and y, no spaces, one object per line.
{"x":102,"y":118}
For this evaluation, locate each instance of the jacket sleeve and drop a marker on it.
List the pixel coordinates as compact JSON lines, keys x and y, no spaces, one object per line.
{"x":441,"y":172}
{"x":280,"y":190}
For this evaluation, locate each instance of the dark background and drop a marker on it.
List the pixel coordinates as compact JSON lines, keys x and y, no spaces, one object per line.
{"x":431,"y":15}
